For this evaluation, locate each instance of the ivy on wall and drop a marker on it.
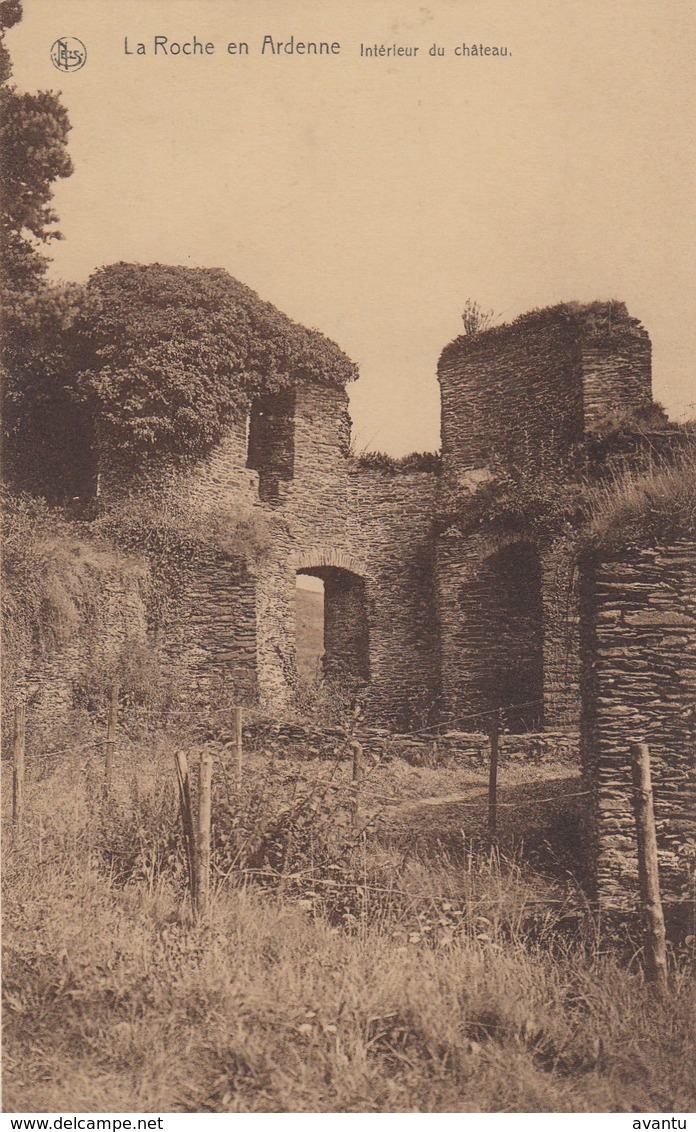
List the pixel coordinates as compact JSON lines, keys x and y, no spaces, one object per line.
{"x":172,"y":355}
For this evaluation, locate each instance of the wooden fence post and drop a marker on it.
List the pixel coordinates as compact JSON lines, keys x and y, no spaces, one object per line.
{"x":494,"y":734}
{"x":651,"y":903}
{"x":238,"y":741}
{"x":182,"y":774}
{"x":18,"y":752}
{"x":205,"y":779}
{"x":357,"y":780}
{"x":111,"y":735}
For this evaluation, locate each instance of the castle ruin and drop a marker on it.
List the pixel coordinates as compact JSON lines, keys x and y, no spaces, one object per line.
{"x":434,"y":620}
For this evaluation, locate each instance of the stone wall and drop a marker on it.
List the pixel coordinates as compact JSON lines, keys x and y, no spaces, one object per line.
{"x":491,"y":615}
{"x":367,"y":533}
{"x":396,"y":515}
{"x":476,"y":630}
{"x":639,"y":683}
{"x":78,"y":669}
{"x":561,"y":644}
{"x":525,"y":392}
{"x":208,"y":642}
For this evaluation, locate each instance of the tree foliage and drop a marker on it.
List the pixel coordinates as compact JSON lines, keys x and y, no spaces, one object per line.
{"x":39,"y":419}
{"x":10,"y":14}
{"x":33,"y":156}
{"x":172,"y":355}
{"x":48,"y":431}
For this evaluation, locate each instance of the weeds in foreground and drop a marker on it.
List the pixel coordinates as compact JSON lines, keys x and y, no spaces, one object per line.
{"x":444,"y":986}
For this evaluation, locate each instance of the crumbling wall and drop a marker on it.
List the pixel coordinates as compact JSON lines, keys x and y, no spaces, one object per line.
{"x":467,"y":634}
{"x":639,"y":683}
{"x":368,"y":534}
{"x":518,"y":398}
{"x":524,"y":393}
{"x":491,"y":629}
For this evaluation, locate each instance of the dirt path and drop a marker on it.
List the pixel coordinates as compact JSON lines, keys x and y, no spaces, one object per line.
{"x":540,"y":820}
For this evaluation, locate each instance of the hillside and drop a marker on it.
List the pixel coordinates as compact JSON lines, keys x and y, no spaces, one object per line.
{"x":310,"y":632}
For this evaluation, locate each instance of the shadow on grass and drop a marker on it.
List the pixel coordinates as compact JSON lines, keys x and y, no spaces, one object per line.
{"x":541,"y":822}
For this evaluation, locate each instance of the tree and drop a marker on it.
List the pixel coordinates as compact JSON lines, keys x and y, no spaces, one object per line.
{"x":33,"y":155}
{"x":48,"y":442}
{"x":38,"y":414}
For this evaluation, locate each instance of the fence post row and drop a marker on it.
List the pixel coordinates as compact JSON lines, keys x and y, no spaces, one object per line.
{"x":112,"y":720}
{"x":18,"y":752}
{"x":494,"y":735}
{"x":651,"y":902}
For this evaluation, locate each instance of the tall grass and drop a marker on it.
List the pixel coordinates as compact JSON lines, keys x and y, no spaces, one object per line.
{"x":449,"y":987}
{"x":642,"y":507}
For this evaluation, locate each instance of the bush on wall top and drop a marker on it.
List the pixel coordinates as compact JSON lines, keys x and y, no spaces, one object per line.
{"x":606,"y":320}
{"x":171,"y":355}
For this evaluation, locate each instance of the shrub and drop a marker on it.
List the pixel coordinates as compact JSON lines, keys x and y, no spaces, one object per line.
{"x":172,"y":355}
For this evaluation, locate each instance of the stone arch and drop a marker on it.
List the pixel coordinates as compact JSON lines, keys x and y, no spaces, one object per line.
{"x":321,"y":556}
{"x":346,"y":627}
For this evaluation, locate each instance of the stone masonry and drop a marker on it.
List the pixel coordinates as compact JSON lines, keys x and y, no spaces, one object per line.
{"x":639,"y":683}
{"x":434,"y":623}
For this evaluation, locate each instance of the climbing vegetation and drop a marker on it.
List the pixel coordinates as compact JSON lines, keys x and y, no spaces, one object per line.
{"x":172,"y":355}
{"x":617,"y":491}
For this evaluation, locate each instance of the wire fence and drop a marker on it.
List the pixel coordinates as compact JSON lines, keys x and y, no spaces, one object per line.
{"x":351,"y":746}
{"x":199,"y":836}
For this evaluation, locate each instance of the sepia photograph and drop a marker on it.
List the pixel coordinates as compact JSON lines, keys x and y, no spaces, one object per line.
{"x":349,"y":560}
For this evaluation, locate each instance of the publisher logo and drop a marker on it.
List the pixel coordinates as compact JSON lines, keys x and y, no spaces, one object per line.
{"x":68,"y":53}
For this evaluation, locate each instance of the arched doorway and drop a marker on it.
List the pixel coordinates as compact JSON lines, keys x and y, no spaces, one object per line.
{"x":331,"y":600}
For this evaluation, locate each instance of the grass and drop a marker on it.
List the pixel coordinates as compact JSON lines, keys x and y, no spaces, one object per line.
{"x":451,"y":983}
{"x":643,"y":507}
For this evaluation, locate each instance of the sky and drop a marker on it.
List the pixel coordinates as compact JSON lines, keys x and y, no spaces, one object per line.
{"x":371,"y":196}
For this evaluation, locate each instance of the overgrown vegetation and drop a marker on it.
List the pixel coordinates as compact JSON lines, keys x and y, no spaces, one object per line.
{"x":57,"y":575}
{"x":54,"y":581}
{"x":588,"y":499}
{"x":610,"y":320}
{"x":393,"y":465}
{"x":642,"y":508}
{"x":175,"y":535}
{"x":332,"y":975}
{"x":172,"y":355}
{"x":149,"y":364}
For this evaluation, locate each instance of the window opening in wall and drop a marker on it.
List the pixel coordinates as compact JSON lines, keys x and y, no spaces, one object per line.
{"x":271,"y":442}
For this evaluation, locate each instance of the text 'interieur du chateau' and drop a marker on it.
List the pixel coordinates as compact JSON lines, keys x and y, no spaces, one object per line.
{"x":163,"y":47}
